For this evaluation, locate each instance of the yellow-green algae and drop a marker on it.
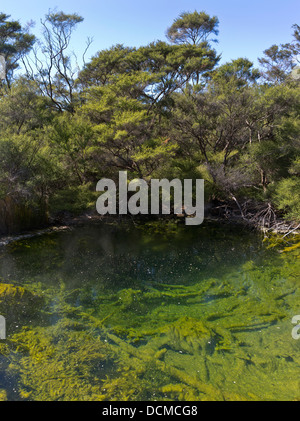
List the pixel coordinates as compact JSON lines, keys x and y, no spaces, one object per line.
{"x":221,"y":338}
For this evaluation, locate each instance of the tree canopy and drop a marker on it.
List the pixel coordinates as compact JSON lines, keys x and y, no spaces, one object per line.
{"x":193,"y":28}
{"x":15,"y":43}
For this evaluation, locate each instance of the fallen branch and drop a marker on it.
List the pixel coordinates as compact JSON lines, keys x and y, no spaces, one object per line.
{"x":290,"y":232}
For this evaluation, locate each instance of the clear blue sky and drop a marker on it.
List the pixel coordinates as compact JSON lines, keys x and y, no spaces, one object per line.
{"x":247,"y":28}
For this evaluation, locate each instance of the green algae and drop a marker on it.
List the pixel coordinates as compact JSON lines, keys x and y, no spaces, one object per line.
{"x":3,"y":396}
{"x":222,"y":337}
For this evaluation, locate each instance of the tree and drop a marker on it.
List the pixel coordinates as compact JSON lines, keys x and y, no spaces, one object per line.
{"x":129,"y":136}
{"x":24,"y":116}
{"x":236,"y":74}
{"x":279,"y":61}
{"x":15,"y":43}
{"x":176,"y":66}
{"x":192,"y":28}
{"x":53,"y":65}
{"x":23,"y":109}
{"x":71,"y":139}
{"x":128,"y":98}
{"x":295,"y":44}
{"x":215,"y":118}
{"x":169,"y":68}
{"x":108,"y":63}
{"x":241,"y":136}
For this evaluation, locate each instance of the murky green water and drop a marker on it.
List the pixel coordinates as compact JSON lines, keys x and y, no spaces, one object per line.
{"x":108,"y":312}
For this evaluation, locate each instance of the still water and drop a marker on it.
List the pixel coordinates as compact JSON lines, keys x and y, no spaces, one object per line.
{"x":158,"y":311}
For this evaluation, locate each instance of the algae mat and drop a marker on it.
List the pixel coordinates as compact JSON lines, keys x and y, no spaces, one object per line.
{"x":150,"y":312}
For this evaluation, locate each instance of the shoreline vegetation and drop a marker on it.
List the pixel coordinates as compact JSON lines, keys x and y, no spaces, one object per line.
{"x":281,"y":228}
{"x":168,"y":110}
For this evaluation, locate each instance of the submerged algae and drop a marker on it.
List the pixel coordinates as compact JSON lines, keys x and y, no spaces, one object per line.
{"x":216,"y":338}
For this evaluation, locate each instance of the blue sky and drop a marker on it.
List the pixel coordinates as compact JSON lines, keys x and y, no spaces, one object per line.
{"x":247,"y":28}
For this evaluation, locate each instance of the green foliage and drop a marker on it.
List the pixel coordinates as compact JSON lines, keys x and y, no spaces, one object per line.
{"x":75,"y":200}
{"x":287,"y":197}
{"x":162,"y":110}
{"x":71,"y":139}
{"x":236,"y":74}
{"x":15,"y":43}
{"x":108,"y":63}
{"x":193,"y":28}
{"x":279,"y":62}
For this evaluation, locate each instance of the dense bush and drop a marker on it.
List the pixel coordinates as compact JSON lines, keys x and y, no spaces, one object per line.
{"x":164,"y":110}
